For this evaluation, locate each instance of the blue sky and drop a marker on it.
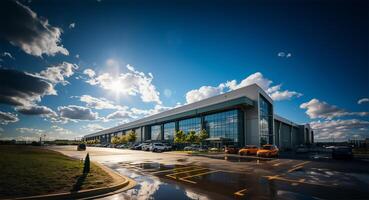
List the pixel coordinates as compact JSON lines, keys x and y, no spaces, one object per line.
{"x":177,"y":52}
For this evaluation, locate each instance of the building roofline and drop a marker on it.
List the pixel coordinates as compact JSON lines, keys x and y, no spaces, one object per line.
{"x":231,"y":98}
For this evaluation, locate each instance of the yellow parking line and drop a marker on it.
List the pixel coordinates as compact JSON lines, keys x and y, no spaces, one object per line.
{"x":171,"y":175}
{"x":201,"y":174}
{"x":169,"y":170}
{"x":282,"y":162}
{"x":300,"y":164}
{"x":241,"y":192}
{"x":295,"y":168}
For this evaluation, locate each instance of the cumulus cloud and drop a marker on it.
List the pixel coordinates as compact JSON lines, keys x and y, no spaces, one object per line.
{"x":33,"y":34}
{"x":72,"y":25}
{"x":92,"y":127}
{"x":320,"y":109}
{"x":19,"y":88}
{"x":284,"y":54}
{"x":8,"y":117}
{"x":275,"y":91}
{"x":203,"y":93}
{"x":99,"y":103}
{"x":75,"y":113}
{"x":31,"y":131}
{"x":57,"y":73}
{"x":363,"y":100}
{"x":339,"y":129}
{"x":120,"y":114}
{"x":36,"y":110}
{"x":130,"y":83}
{"x":7,"y":54}
{"x":89,"y":72}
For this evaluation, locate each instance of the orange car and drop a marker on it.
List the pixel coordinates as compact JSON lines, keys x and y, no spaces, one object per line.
{"x":248,"y":150}
{"x":268,"y":150}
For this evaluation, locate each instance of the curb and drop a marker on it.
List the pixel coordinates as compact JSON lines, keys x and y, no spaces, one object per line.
{"x":121,"y":184}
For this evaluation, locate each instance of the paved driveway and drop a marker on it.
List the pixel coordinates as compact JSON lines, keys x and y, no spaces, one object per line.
{"x":178,"y":176}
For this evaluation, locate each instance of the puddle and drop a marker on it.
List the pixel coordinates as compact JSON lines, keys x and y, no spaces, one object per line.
{"x":152,"y":187}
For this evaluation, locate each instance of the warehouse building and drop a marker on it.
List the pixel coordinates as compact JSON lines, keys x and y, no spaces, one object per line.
{"x":239,"y":117}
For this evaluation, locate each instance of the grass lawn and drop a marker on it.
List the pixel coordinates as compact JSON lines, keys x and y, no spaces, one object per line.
{"x":27,"y":170}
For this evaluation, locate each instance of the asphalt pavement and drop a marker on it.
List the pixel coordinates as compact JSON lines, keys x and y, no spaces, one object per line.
{"x":171,"y":175}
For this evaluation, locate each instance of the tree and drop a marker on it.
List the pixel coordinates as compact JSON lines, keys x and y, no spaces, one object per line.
{"x":131,"y":136}
{"x":123,"y":139}
{"x":191,"y":137}
{"x":179,"y":137}
{"x":202,"y":136}
{"x":86,"y":166}
{"x":115,"y":140}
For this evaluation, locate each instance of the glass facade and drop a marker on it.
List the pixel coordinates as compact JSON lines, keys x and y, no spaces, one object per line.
{"x":169,"y":129}
{"x":138,"y":134}
{"x":155,"y":132}
{"x":224,"y":125}
{"x":192,"y":124}
{"x":266,"y":121}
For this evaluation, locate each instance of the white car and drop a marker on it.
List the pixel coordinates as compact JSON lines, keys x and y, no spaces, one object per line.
{"x":145,"y":146}
{"x":158,"y":147}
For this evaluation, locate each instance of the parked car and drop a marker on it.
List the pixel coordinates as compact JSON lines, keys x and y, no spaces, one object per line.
{"x":137,"y":146}
{"x":268,"y":150}
{"x":248,"y":150}
{"x":157,"y":147}
{"x":342,"y":152}
{"x":231,"y":149}
{"x":168,"y":147}
{"x":193,"y":147}
{"x":145,"y":146}
{"x":81,"y":147}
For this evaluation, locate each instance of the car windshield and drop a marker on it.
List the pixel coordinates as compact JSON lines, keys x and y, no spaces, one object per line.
{"x":267,"y":147}
{"x":159,"y":144}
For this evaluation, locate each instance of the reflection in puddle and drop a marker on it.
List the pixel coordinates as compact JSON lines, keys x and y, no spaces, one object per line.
{"x":151,"y":187}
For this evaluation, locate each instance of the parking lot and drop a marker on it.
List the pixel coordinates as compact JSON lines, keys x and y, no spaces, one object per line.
{"x":178,"y":176}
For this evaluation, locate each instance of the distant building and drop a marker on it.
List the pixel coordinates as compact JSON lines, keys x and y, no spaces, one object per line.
{"x":239,"y":117}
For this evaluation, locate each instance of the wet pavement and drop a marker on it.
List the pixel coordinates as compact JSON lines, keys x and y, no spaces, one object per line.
{"x":177,"y":176}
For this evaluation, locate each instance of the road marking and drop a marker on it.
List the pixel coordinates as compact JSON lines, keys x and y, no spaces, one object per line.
{"x":300,"y":164}
{"x":241,"y":192}
{"x":172,"y":175}
{"x":282,"y":162}
{"x":200,"y":174}
{"x":295,"y":168}
{"x":169,"y":170}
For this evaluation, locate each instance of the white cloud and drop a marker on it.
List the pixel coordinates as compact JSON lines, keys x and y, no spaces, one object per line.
{"x":99,"y":103}
{"x":363,"y":100}
{"x":120,"y":114}
{"x":7,"y":54}
{"x":203,"y":93}
{"x":274,"y":91}
{"x":339,"y":130}
{"x":8,"y":117}
{"x":284,"y":54}
{"x":72,"y":25}
{"x":75,"y":113}
{"x":89,"y":72}
{"x":58,"y":73}
{"x":34,"y":35}
{"x":320,"y":109}
{"x":92,"y":127}
{"x":36,"y":131}
{"x":130,"y":83}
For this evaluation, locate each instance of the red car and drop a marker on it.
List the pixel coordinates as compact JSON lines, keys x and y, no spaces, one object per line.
{"x":231,"y":150}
